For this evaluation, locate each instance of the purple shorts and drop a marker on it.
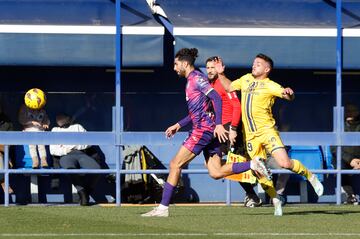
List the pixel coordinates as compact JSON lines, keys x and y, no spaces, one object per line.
{"x":198,"y":141}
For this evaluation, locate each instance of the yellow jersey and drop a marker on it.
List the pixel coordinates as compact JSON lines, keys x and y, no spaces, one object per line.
{"x":257,"y":99}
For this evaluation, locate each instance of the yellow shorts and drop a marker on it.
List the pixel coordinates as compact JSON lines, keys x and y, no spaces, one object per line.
{"x":245,"y":177}
{"x":259,"y":145}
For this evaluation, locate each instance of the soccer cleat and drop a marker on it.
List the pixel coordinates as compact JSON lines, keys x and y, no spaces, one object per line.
{"x":252,"y":201}
{"x":317,"y":185}
{"x":277,"y":207}
{"x":258,"y":165}
{"x":283,"y":199}
{"x":352,"y":200}
{"x":157,"y":212}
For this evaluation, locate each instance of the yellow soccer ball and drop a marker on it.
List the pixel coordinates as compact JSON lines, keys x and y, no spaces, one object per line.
{"x":35,"y":99}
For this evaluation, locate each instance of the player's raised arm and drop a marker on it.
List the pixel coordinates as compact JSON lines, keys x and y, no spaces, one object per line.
{"x":288,"y":94}
{"x":220,"y":68}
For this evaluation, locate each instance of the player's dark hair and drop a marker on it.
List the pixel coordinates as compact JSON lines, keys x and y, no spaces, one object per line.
{"x":267,"y":59}
{"x":63,"y":120}
{"x":186,"y":54}
{"x":213,"y":58}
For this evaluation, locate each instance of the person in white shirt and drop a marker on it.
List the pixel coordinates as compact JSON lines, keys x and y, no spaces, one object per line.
{"x":74,"y":157}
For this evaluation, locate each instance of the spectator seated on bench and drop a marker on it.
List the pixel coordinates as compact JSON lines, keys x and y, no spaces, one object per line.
{"x":75,"y":157}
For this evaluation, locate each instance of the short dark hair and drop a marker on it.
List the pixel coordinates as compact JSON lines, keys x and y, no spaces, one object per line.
{"x":267,"y":59}
{"x":212,"y":58}
{"x":186,"y":54}
{"x":63,"y":120}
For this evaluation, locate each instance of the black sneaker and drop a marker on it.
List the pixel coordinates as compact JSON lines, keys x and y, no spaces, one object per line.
{"x":352,"y":200}
{"x":252,"y":201}
{"x":283,"y":199}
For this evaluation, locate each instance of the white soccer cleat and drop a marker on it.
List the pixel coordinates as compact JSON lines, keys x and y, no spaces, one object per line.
{"x":317,"y":185}
{"x":157,"y":212}
{"x":277,"y":207}
{"x":258,"y":165}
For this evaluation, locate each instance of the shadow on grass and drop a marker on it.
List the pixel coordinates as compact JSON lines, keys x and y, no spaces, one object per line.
{"x":326,"y":212}
{"x":286,"y":213}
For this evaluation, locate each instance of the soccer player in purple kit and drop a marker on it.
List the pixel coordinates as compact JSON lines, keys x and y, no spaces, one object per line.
{"x":204,"y":106}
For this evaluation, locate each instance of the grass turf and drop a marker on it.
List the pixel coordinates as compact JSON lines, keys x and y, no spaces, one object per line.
{"x":318,"y":221}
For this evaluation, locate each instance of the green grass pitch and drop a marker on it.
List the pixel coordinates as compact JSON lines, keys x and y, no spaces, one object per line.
{"x":304,"y":221}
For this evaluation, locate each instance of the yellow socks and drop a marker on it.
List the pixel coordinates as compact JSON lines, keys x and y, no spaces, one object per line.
{"x":268,"y":187}
{"x":299,"y":168}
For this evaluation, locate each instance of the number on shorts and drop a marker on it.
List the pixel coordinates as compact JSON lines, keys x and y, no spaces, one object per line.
{"x":249,"y":147}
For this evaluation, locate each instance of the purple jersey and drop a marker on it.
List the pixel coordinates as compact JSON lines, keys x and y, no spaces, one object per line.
{"x":199,"y":105}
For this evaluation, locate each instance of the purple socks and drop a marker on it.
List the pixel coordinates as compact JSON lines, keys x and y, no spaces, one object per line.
{"x":167,"y":193}
{"x":168,"y":188}
{"x":240,"y":167}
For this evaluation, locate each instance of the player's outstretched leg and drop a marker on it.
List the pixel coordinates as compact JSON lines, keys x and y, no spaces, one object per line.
{"x":299,"y":168}
{"x":296,"y":166}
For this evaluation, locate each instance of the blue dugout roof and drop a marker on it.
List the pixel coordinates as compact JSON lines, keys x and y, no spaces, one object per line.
{"x":210,"y":13}
{"x":258,"y":13}
{"x":296,"y":33}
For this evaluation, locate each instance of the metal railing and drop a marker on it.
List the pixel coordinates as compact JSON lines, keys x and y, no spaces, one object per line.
{"x":157,"y":139}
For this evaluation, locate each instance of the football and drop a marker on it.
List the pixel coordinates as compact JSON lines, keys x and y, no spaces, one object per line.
{"x":35,"y":99}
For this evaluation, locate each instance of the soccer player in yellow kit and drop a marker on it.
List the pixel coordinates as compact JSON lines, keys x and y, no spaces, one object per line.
{"x":258,"y":94}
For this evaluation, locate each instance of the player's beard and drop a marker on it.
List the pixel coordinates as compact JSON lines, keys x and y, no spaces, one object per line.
{"x":212,"y":77}
{"x":182,"y":72}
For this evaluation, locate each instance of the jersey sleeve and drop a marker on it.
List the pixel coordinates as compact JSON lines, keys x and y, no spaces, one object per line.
{"x":185,"y":121}
{"x":236,"y":84}
{"x":236,"y":114}
{"x":276,"y":89}
{"x":217,"y":104}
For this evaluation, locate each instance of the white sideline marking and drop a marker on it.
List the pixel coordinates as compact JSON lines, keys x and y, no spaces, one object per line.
{"x":102,"y":234}
{"x":249,"y":234}
{"x":255,"y":234}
